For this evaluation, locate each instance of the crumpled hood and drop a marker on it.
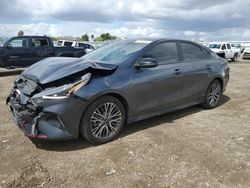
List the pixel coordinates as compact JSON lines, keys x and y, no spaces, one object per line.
{"x":55,"y":68}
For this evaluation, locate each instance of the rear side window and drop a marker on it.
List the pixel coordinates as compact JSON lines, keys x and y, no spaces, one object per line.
{"x":36,"y":42}
{"x":59,"y":43}
{"x":68,"y":44}
{"x":228,"y":46}
{"x":193,"y":52}
{"x":163,"y":53}
{"x":19,"y":43}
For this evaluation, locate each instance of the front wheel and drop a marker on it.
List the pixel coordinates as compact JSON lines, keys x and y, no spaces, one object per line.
{"x":213,"y":95}
{"x":103,"y":120}
{"x":235,"y":57}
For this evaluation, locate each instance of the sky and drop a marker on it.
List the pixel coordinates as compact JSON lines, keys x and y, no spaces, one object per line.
{"x":208,"y":20}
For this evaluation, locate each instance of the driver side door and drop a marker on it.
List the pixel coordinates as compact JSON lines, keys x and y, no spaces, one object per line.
{"x":160,"y":88}
{"x":17,"y":52}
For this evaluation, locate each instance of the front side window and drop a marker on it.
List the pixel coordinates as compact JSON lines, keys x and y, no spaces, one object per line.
{"x":39,"y":42}
{"x":163,"y":53}
{"x":223,"y":47}
{"x":228,"y":46}
{"x":193,"y":52}
{"x":19,"y":43}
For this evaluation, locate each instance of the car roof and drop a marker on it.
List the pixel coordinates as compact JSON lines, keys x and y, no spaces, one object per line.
{"x":145,"y":39}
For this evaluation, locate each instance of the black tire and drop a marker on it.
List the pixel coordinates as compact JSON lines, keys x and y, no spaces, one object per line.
{"x":235,"y":57}
{"x":92,"y":122}
{"x":208,"y":102}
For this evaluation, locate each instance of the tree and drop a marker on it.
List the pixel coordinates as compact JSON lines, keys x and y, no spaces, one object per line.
{"x":99,"y":39}
{"x":20,"y":33}
{"x":85,"y":37}
{"x":92,"y":36}
{"x":54,"y":38}
{"x":107,"y":36}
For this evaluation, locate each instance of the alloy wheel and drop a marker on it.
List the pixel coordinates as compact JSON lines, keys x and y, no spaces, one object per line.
{"x":106,"y":120}
{"x":214,"y":94}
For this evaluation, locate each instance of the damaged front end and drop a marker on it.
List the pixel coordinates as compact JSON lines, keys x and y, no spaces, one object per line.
{"x":44,"y":114}
{"x":50,"y":110}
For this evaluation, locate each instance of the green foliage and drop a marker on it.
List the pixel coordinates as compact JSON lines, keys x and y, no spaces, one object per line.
{"x":54,"y":38}
{"x":105,"y":36}
{"x":92,"y":36}
{"x":85,"y":37}
{"x":99,"y":39}
{"x":20,"y":33}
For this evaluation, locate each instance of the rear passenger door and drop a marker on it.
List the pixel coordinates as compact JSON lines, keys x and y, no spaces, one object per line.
{"x":41,"y":49}
{"x":198,"y":64}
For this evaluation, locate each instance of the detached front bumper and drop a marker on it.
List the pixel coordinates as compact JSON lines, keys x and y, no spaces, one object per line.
{"x":56,"y":120}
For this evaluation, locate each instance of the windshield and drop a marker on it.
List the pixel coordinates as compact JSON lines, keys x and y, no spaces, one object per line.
{"x":214,"y":46}
{"x":115,"y":52}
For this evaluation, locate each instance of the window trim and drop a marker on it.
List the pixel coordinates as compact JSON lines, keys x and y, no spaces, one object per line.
{"x":229,"y":46}
{"x":194,"y":44}
{"x":159,"y":43}
{"x":27,"y":40}
{"x":48,"y":42}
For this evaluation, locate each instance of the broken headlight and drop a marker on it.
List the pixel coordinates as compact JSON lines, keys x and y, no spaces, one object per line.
{"x":60,"y":92}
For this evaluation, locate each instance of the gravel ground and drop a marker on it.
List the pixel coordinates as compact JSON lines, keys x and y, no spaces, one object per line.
{"x":189,"y":148}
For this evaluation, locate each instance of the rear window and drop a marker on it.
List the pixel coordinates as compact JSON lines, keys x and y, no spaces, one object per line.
{"x":193,"y":52}
{"x":36,"y":42}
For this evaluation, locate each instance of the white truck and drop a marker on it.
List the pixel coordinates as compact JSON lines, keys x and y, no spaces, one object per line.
{"x":225,"y":50}
{"x":88,"y":47}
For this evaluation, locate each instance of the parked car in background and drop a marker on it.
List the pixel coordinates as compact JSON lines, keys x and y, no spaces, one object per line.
{"x":246,"y":53}
{"x":225,"y":50}
{"x":121,"y":82}
{"x":89,"y":47}
{"x":26,"y":50}
{"x":239,"y":47}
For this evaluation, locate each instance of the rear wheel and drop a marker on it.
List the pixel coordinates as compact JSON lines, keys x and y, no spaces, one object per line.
{"x":103,"y":120}
{"x":213,"y":95}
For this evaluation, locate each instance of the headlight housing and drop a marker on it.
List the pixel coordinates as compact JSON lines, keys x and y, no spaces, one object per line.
{"x":60,"y":92}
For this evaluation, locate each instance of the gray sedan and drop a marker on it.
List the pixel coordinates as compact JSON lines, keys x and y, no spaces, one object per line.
{"x":119,"y":83}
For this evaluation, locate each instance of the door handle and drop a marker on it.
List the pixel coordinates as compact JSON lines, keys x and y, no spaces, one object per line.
{"x":177,"y":71}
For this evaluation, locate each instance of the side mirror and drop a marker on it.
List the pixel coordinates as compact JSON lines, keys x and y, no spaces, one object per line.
{"x":147,"y":63}
{"x":9,"y":46}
